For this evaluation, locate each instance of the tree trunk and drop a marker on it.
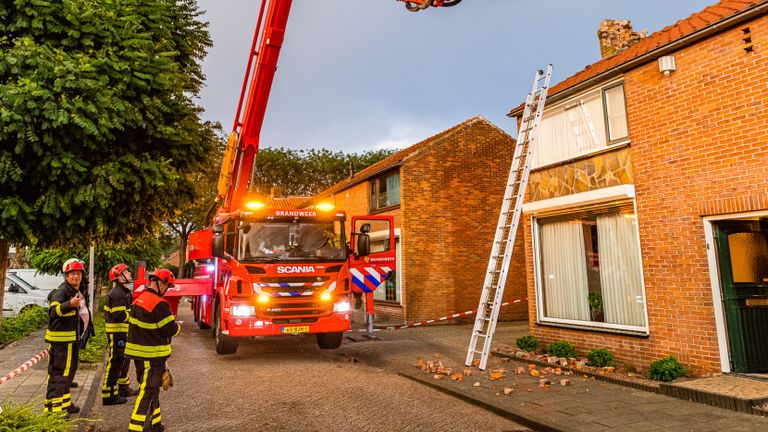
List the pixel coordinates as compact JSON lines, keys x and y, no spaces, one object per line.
{"x":183,"y":239}
{"x":4,"y":247}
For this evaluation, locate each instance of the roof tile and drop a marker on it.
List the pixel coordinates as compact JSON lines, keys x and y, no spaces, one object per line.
{"x":671,"y":33}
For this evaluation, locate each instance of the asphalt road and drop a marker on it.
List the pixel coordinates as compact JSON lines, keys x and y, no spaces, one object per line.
{"x":289,"y":384}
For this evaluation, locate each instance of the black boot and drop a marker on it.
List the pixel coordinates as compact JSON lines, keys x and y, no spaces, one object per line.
{"x":126,"y":391}
{"x":72,"y":409}
{"x":114,"y":400}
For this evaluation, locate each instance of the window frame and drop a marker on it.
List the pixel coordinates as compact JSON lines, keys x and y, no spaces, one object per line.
{"x":606,"y":117}
{"x":643,"y":331}
{"x":373,"y":192}
{"x":561,"y":108}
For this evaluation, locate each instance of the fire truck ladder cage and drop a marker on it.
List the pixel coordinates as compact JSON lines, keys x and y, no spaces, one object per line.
{"x":509,"y":218}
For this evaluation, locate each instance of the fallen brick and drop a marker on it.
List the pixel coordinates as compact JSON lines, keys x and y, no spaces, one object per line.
{"x":520,"y":371}
{"x":507,"y":390}
{"x":565,"y":382}
{"x":544,"y":382}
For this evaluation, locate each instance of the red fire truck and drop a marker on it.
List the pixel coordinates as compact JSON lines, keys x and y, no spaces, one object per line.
{"x":265,"y":271}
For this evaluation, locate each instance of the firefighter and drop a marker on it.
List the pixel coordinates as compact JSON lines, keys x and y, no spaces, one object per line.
{"x":152,"y":325}
{"x":66,"y":311}
{"x":116,"y":387}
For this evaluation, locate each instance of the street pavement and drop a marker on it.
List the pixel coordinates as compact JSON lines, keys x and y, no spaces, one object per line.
{"x":289,"y":384}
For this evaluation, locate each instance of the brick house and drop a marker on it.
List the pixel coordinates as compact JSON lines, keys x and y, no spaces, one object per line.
{"x":647,"y":216}
{"x":445,"y":194}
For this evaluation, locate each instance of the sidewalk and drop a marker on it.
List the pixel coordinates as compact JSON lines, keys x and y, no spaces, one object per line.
{"x":585,"y":405}
{"x":30,"y":385}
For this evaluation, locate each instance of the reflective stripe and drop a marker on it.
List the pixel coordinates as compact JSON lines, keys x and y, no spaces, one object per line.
{"x":143,"y":324}
{"x":69,"y":361}
{"x":57,"y":305}
{"x":135,"y":416}
{"x":142,"y":351}
{"x":124,"y":381}
{"x":116,"y":327}
{"x":134,"y":427}
{"x":114,"y":309}
{"x":178,"y":330}
{"x":166,"y":320}
{"x":156,"y":420}
{"x":60,"y":336}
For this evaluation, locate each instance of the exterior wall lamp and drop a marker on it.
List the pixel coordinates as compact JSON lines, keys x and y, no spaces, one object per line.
{"x":667,"y":65}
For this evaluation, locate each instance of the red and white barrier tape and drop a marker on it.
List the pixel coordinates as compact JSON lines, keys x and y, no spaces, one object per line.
{"x":31,"y":362}
{"x":443,"y":318}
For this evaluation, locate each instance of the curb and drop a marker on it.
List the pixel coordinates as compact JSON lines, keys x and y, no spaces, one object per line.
{"x":85,"y":412}
{"x":749,"y":406}
{"x":511,"y":415}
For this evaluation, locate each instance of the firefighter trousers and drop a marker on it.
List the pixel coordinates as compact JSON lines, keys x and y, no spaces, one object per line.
{"x":146,"y":410}
{"x":62,"y":366}
{"x":116,"y":372}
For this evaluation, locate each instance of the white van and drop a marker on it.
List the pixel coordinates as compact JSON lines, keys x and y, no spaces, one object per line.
{"x":20,"y":295}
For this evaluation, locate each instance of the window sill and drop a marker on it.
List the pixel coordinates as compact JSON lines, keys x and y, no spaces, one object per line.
{"x":383,"y":209}
{"x":595,"y":328}
{"x":608,"y":149}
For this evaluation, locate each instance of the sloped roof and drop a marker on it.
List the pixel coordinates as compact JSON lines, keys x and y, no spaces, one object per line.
{"x":394,"y":160}
{"x":697,"y":22}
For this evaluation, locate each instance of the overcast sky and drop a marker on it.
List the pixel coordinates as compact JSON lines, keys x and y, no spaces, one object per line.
{"x":357,"y":75}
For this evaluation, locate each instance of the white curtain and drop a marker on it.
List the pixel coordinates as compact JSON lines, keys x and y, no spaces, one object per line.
{"x":564,"y":271}
{"x":617,"y":113}
{"x":620,"y":269}
{"x":569,"y":132}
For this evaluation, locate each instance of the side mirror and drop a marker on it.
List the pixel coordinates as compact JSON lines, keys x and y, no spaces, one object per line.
{"x":363,"y":244}
{"x":13,"y":288}
{"x":217,"y":242}
{"x":365,"y":228}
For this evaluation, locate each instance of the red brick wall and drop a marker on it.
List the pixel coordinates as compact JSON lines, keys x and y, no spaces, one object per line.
{"x":699,"y":147}
{"x":451,"y":194}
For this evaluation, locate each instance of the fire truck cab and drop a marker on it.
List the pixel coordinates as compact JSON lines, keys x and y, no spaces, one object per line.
{"x":281,"y":272}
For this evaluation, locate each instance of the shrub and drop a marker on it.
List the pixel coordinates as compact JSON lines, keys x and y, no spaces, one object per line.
{"x":29,"y":320}
{"x":527,"y":343}
{"x":561,"y":348}
{"x":666,"y":369}
{"x":601,"y":358}
{"x":94,"y":351}
{"x":27,"y":418}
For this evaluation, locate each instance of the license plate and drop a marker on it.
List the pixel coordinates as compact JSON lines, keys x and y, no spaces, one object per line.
{"x":296,"y":329}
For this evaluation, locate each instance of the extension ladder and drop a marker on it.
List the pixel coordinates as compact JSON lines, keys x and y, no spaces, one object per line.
{"x":509,"y":218}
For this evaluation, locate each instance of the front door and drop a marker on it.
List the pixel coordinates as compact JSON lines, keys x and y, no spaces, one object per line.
{"x":742,"y":249}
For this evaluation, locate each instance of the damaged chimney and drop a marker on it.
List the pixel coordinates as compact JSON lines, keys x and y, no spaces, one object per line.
{"x":615,"y":35}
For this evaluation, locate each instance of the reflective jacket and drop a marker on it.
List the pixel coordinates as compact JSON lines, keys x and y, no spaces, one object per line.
{"x":63,"y":319}
{"x":116,"y":309}
{"x":151,"y":327}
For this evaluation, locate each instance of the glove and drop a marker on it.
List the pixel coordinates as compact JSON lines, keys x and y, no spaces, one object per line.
{"x":167,"y":379}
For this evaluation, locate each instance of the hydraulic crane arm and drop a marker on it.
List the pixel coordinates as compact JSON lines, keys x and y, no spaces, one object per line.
{"x":243,"y":142}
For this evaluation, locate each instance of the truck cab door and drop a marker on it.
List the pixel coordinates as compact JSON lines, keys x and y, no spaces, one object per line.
{"x":370,"y":271}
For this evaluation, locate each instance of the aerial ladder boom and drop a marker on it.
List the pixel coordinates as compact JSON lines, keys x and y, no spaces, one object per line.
{"x":243,"y":141}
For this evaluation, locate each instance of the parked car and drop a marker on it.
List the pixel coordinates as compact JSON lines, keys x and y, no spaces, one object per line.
{"x":20,"y":295}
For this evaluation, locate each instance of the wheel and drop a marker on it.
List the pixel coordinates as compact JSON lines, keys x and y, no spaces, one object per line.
{"x":198,"y":315}
{"x":29,"y":307}
{"x":329,"y":340}
{"x":224,"y":343}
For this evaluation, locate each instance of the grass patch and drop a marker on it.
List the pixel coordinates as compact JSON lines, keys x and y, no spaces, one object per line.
{"x":25,"y":418}
{"x":26,"y":322}
{"x":93,"y":352}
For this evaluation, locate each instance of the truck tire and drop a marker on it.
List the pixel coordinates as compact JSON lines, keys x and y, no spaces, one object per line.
{"x":198,"y":315}
{"x":224,"y":343}
{"x":329,"y":340}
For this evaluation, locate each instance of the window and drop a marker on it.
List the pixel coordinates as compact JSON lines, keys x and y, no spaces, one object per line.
{"x":589,"y":123}
{"x":385,"y":191}
{"x":391,"y":290}
{"x":615,"y":113}
{"x":589,"y":269}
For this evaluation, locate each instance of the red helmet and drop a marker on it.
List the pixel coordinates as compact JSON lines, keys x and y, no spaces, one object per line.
{"x":164,"y":275}
{"x":116,"y":271}
{"x":72,"y":264}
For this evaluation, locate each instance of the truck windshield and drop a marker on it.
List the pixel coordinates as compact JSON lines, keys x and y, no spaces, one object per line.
{"x":291,"y":241}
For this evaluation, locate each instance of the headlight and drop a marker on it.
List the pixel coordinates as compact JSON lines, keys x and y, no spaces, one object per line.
{"x":325,"y":296}
{"x":242,"y":311}
{"x":341,"y":307}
